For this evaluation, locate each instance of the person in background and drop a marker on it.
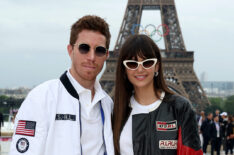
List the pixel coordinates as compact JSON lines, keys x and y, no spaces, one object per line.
{"x":202,"y":118}
{"x":1,"y":122}
{"x":229,"y":136}
{"x":149,"y":119}
{"x":223,"y":124}
{"x":216,"y":136}
{"x":14,"y":115}
{"x":217,"y":113}
{"x":206,"y":131}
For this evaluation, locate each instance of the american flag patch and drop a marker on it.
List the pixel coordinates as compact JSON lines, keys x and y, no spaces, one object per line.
{"x":26,"y":128}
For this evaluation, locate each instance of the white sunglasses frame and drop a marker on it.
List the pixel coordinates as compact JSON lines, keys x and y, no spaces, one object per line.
{"x":140,"y":63}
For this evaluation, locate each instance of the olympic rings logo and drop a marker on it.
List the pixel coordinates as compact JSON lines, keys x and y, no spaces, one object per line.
{"x":151,"y":30}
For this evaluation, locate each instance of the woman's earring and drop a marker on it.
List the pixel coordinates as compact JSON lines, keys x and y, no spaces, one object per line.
{"x":156,"y":74}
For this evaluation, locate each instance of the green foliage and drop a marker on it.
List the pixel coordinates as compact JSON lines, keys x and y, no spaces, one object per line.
{"x":229,"y":105}
{"x":6,"y":103}
{"x":3,"y":98}
{"x":216,"y":103}
{"x":222,"y":104}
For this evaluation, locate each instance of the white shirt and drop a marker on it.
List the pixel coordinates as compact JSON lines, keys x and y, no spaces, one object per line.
{"x":217,"y":129}
{"x":126,"y":146}
{"x":92,"y":126}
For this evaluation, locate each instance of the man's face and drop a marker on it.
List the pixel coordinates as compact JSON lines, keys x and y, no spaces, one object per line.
{"x":210,"y":116}
{"x":85,"y":67}
{"x":216,"y":119}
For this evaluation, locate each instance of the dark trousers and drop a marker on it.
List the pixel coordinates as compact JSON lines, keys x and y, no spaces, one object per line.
{"x":229,"y":146}
{"x":224,"y":142}
{"x":205,"y":143}
{"x":215,"y":145}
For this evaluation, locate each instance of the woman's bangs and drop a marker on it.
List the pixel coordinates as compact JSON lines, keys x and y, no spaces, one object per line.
{"x":140,"y":49}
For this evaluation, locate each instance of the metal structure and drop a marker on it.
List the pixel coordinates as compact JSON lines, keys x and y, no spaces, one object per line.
{"x":177,"y":62}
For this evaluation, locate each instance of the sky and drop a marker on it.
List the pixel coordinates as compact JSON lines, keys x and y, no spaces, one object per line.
{"x":34,"y":36}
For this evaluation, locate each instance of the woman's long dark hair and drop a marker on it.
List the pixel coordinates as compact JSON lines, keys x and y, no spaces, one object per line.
{"x":144,"y":47}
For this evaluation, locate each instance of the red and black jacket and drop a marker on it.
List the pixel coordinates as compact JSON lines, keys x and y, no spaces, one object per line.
{"x":171,"y":129}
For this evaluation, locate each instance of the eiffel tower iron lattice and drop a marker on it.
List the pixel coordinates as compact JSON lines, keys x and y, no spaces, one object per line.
{"x":177,"y":62}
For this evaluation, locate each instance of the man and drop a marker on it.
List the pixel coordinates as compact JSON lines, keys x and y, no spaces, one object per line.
{"x":70,"y":115}
{"x":206,"y":131}
{"x":223,"y":125}
{"x":217,"y":113}
{"x":1,"y":122}
{"x":216,"y":136}
{"x":229,"y":135}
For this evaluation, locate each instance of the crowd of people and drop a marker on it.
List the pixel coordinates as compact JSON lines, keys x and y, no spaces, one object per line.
{"x":217,"y":130}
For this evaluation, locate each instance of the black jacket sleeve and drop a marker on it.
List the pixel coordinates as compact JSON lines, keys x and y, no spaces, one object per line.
{"x":188,"y":137}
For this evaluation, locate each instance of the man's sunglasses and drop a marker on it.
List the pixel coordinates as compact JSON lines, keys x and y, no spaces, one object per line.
{"x":146,"y":64}
{"x":85,"y":48}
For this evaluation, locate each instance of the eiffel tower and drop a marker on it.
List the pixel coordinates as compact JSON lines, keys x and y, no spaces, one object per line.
{"x":177,"y":61}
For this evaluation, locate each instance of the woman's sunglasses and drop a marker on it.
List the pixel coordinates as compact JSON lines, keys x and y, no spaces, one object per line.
{"x":146,"y":64}
{"x":85,"y":48}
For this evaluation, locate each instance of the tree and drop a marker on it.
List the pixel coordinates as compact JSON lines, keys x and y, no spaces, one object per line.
{"x":216,"y":103}
{"x":229,"y":105}
{"x":6,"y":103}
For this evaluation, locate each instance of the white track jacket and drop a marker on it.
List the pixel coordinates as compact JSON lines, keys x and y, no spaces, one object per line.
{"x":48,"y":122}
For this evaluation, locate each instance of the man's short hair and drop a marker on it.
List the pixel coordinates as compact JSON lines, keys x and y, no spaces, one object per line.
{"x":210,"y":114}
{"x":89,"y":22}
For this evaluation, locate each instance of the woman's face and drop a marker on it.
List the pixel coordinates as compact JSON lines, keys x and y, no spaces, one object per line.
{"x":142,"y":77}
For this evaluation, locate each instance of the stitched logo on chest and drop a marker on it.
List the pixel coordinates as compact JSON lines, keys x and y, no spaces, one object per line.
{"x":166,"y":126}
{"x":65,"y":117}
{"x":168,"y":144}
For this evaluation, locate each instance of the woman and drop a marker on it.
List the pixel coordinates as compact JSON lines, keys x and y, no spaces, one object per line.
{"x":200,"y":121}
{"x":148,"y":117}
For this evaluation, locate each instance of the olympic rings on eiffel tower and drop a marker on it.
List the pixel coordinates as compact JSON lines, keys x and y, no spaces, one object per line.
{"x":151,"y":31}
